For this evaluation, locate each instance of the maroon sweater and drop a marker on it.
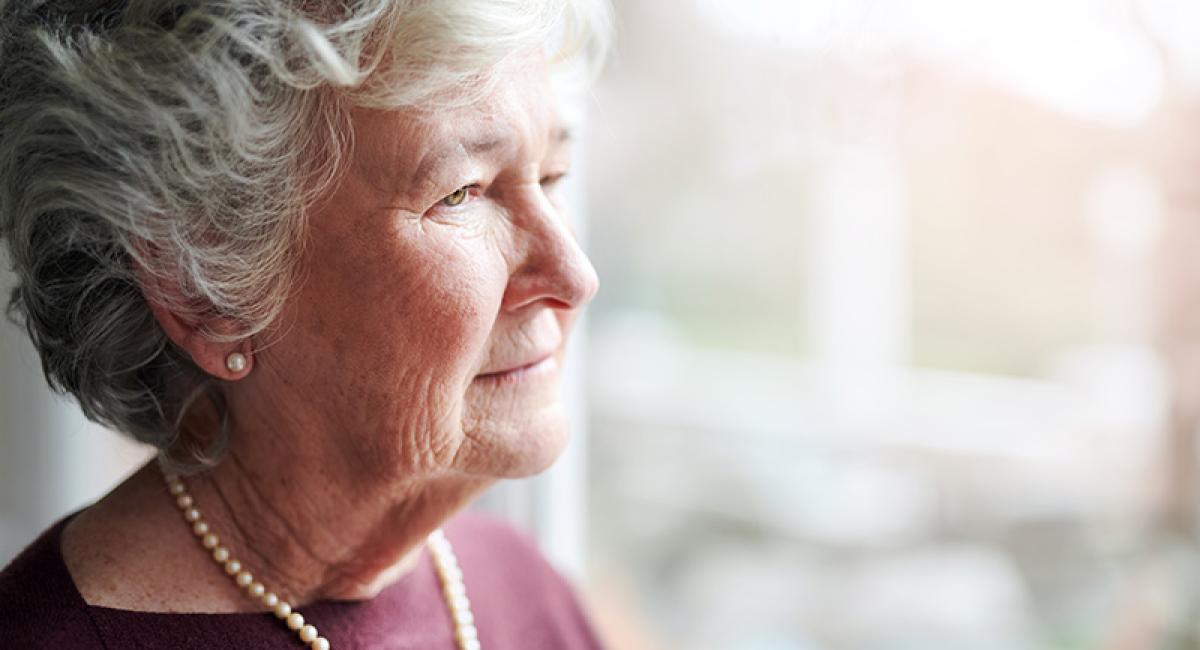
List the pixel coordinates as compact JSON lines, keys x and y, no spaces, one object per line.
{"x":518,"y":600}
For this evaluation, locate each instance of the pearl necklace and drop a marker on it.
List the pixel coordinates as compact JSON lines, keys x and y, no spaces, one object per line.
{"x":450,"y":575}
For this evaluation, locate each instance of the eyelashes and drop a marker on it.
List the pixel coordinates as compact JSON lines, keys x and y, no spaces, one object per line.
{"x":550,"y":180}
{"x":464,"y":194}
{"x":457,"y":197}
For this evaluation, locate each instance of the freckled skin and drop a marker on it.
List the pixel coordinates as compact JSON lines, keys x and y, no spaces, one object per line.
{"x":386,"y":396}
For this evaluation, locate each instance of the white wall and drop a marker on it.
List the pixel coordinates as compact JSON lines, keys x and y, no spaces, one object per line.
{"x":52,"y":460}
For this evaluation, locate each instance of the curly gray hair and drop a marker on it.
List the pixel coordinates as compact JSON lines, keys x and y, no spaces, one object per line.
{"x":185,"y":140}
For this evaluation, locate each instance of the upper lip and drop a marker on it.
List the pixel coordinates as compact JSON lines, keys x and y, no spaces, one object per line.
{"x":528,"y":360}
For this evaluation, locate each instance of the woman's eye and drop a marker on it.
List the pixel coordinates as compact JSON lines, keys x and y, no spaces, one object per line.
{"x":457,"y":197}
{"x":551,"y":179}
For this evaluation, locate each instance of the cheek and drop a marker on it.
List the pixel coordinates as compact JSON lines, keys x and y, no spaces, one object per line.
{"x":410,"y":304}
{"x":404,"y":330}
{"x":439,"y":322}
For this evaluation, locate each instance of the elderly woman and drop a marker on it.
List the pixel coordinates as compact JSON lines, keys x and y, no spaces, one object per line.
{"x":315,"y":254}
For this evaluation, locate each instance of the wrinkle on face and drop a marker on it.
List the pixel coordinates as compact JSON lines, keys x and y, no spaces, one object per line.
{"x":404,"y":304}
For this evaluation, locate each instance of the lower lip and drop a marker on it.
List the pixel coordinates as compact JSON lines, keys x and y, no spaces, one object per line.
{"x":517,"y":374}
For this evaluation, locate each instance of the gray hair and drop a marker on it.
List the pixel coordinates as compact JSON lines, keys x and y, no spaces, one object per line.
{"x":185,"y":141}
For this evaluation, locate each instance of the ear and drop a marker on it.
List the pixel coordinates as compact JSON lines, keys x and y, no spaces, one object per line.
{"x":189,"y":332}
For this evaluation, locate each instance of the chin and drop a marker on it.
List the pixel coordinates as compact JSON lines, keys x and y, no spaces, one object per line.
{"x":522,"y":449}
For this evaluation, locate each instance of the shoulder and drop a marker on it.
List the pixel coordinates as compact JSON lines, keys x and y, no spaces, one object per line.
{"x":518,"y":598}
{"x":500,"y":550}
{"x":475,"y":532}
{"x":39,"y":605}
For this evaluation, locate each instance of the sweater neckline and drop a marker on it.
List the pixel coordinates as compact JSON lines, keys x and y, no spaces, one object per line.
{"x":62,"y":576}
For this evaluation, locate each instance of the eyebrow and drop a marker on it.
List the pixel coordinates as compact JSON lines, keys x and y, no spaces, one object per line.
{"x":486,"y":144}
{"x":493,"y":141}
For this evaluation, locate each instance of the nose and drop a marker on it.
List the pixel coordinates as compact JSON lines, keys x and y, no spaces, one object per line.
{"x":552,"y":268}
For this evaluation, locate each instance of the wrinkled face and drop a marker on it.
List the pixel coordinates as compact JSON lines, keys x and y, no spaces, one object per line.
{"x":440,"y":282}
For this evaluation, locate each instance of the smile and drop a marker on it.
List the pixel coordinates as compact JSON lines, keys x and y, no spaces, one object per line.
{"x":542,"y":366}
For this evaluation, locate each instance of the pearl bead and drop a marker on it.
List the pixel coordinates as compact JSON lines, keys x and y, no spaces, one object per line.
{"x":454,"y":591}
{"x":236,"y":362}
{"x":442,"y":553}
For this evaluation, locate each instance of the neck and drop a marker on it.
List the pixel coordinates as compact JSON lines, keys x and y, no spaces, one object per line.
{"x":312,"y":538}
{"x":311,"y":506}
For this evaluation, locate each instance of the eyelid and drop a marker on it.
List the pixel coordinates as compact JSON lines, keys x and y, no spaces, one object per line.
{"x":473,"y":193}
{"x":552,"y":178}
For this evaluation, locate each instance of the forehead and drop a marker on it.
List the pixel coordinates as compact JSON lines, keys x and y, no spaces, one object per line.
{"x":520,"y":115}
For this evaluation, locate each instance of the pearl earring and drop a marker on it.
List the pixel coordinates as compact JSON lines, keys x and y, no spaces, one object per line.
{"x":236,"y":362}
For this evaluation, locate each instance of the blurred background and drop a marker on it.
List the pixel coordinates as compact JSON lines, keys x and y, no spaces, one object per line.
{"x":898,"y":345}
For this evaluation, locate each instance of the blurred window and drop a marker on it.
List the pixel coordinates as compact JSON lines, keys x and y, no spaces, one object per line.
{"x":894,"y":343}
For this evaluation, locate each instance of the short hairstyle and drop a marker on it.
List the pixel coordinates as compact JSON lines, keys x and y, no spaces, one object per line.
{"x":186,"y":140}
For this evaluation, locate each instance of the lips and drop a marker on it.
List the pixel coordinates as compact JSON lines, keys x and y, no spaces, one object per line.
{"x":531,"y":362}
